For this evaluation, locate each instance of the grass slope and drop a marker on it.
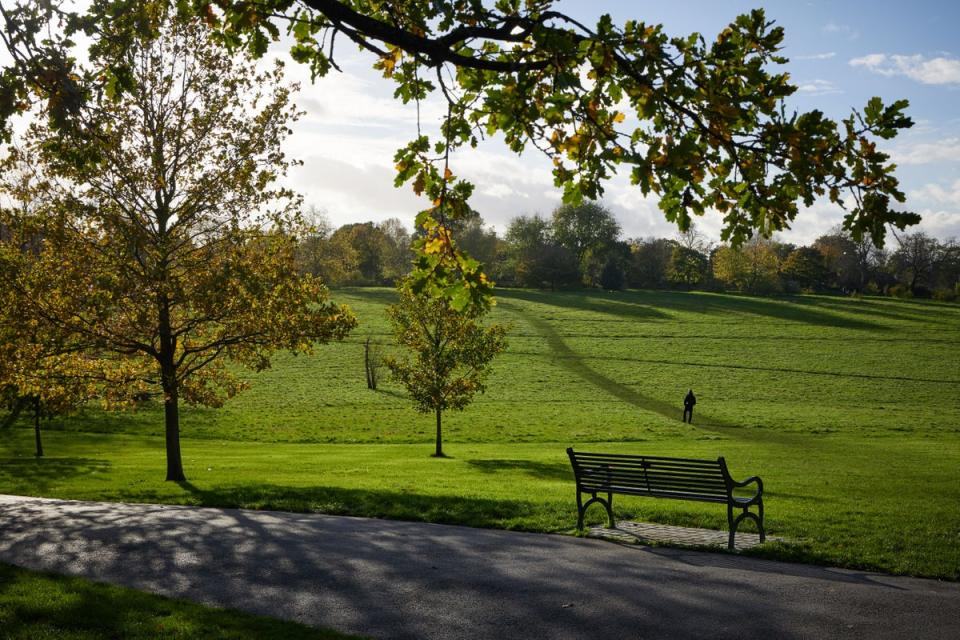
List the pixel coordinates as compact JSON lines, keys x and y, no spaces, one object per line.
{"x":847,"y":408}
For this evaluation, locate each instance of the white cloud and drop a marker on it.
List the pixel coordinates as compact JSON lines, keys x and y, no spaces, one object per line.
{"x":945,"y":150}
{"x":818,"y":87}
{"x":842,"y":30}
{"x":816,"y":56}
{"x":938,"y":194}
{"x":939,"y":70}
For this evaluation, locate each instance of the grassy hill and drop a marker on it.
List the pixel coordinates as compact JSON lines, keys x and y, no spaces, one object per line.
{"x":847,"y":408}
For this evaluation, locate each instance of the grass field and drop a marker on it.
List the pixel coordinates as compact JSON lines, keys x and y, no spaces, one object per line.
{"x":847,"y":408}
{"x":39,"y":606}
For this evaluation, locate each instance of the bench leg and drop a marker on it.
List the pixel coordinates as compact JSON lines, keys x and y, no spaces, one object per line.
{"x":582,"y":509}
{"x":731,"y":526}
{"x":746,"y":514}
{"x":763,"y":534}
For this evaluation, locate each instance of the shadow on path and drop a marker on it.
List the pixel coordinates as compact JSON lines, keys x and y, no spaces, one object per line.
{"x":412,"y":580}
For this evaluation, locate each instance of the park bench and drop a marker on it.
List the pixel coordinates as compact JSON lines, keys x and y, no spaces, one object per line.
{"x":659,"y":477}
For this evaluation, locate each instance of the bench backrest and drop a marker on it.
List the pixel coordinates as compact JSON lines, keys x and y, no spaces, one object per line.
{"x":683,"y":478}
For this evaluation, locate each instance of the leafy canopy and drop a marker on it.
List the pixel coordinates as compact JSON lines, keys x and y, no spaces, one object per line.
{"x":699,"y":122}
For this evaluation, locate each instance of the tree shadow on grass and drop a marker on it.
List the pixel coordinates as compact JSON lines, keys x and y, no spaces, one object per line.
{"x":542,"y":470}
{"x":40,"y":473}
{"x":393,"y":505}
{"x":380,"y":295}
{"x":791,"y":309}
{"x":646,"y":305}
{"x":622,"y":304}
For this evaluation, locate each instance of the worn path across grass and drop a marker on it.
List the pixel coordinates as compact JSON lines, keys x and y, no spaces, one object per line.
{"x":396,"y":579}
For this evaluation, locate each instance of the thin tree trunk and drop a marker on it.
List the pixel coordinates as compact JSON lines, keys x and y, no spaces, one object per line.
{"x":439,"y":451}
{"x":36,"y":426}
{"x":171,"y":409}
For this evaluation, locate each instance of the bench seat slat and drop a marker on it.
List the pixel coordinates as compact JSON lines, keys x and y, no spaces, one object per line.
{"x":656,"y":476}
{"x":712,"y":472}
{"x":680,"y":495}
{"x":713,"y":484}
{"x":583,"y":455}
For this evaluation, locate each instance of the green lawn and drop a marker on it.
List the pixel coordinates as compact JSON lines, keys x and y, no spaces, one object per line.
{"x":847,"y":408}
{"x":35,"y":606}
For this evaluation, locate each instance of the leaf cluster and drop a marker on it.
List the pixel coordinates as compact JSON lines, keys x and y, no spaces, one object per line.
{"x":449,"y":351}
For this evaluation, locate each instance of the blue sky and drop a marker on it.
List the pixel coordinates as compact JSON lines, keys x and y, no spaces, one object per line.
{"x":842,"y":53}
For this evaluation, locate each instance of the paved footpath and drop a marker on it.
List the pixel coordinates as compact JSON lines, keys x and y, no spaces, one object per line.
{"x":390,"y":579}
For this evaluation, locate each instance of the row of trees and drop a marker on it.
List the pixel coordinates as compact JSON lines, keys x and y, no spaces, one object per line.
{"x":582,"y":246}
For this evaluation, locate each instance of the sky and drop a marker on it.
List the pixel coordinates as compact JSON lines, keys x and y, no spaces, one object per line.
{"x":841,"y":54}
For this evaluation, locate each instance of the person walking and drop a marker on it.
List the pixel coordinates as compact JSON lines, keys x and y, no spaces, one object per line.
{"x":688,"y":403}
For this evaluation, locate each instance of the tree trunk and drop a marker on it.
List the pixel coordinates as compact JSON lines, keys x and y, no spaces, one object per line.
{"x":171,"y":394}
{"x":171,"y":415}
{"x":36,"y":426}
{"x":439,"y":451}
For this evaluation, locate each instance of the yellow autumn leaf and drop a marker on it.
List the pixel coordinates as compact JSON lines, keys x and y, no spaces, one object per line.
{"x":434,"y":246}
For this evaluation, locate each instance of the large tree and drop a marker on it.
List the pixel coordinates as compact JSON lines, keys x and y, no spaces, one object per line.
{"x":588,"y":231}
{"x":700,"y":122}
{"x":174,"y":251}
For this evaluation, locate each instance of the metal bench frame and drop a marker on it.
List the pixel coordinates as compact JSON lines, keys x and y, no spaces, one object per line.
{"x":660,"y":477}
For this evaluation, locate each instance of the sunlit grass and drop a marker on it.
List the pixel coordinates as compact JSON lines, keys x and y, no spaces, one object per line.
{"x":37,"y":606}
{"x":848,"y":409}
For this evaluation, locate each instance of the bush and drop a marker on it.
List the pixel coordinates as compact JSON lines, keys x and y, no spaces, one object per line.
{"x":945,"y":295}
{"x":900,"y":291}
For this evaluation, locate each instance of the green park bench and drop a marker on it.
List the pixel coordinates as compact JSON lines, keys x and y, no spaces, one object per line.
{"x":658,"y":477}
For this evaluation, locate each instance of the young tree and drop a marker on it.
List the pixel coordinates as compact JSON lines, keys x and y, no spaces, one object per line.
{"x":174,"y":252}
{"x":706,"y":126}
{"x":450,"y":354}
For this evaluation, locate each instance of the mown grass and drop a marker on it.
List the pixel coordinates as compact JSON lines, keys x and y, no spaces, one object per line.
{"x":36,"y":606}
{"x":847,"y":408}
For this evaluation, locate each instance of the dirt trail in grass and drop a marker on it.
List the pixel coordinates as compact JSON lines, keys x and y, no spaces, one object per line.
{"x":569,"y":359}
{"x":573,"y":362}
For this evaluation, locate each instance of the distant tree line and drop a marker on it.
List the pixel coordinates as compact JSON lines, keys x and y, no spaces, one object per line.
{"x":582,"y":246}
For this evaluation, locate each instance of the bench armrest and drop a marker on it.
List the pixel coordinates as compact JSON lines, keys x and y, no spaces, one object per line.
{"x":750,"y":480}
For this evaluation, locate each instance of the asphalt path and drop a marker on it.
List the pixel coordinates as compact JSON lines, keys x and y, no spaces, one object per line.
{"x":390,"y":579}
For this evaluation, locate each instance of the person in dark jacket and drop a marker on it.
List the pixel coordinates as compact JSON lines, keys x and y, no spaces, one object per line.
{"x":688,"y":403}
